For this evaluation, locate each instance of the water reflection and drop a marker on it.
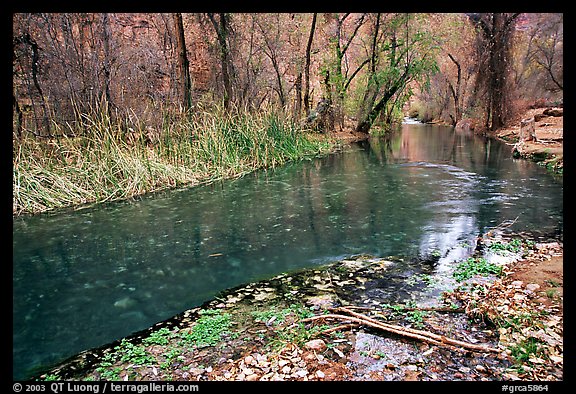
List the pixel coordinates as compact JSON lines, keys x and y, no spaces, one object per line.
{"x":85,"y":278}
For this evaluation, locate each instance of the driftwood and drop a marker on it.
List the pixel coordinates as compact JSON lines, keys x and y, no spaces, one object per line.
{"x":425,"y":336}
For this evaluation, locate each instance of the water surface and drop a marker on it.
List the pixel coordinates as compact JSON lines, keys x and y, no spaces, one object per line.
{"x":84,"y":278}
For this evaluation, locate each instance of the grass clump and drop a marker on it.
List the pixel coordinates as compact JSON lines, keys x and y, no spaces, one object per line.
{"x":103,"y":159}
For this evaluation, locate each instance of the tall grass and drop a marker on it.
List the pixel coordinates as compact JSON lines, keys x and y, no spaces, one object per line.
{"x":111,"y":160}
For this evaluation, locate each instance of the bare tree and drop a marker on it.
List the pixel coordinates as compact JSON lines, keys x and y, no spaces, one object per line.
{"x":494,"y":48}
{"x":222,"y":32}
{"x":183,"y":64}
{"x":272,"y":51}
{"x":307,"y":67}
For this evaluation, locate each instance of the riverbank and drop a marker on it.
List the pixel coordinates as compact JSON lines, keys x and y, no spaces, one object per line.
{"x":539,"y":139}
{"x":336,"y":322}
{"x":107,"y":160}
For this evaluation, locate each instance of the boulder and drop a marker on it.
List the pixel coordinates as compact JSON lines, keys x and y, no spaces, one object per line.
{"x":553,"y":112}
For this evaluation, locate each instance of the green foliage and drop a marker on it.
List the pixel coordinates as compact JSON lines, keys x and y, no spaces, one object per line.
{"x":208,"y":329}
{"x":109,"y":374}
{"x":513,"y":246}
{"x":416,"y":317}
{"x":475,"y":266}
{"x":526,"y":349}
{"x":159,"y":337}
{"x":135,"y":354}
{"x":51,"y":377}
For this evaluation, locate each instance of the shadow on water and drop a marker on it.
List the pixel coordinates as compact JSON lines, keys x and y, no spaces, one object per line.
{"x":85,"y":278}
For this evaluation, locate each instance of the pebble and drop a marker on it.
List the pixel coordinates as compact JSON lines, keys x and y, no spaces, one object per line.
{"x":320,"y":374}
{"x":532,"y":286}
{"x":316,"y":344}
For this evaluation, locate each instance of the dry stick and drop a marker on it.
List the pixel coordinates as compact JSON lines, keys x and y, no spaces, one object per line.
{"x":375,"y":325}
{"x":403,"y":331}
{"x":436,"y":337}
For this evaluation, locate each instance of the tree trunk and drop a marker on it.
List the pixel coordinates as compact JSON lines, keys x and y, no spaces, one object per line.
{"x":364,"y":124}
{"x":456,"y":92}
{"x":183,"y":64}
{"x":221,"y":29}
{"x":307,"y":67}
{"x":19,"y":115}
{"x":298,"y":99}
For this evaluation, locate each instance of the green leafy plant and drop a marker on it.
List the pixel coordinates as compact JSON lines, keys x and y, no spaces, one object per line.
{"x":135,"y":354}
{"x":159,"y":337}
{"x":514,"y":246}
{"x":209,"y":328}
{"x":475,"y":266}
{"x":416,"y":317}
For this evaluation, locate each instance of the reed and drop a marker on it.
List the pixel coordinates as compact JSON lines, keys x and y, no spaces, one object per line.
{"x":111,"y":160}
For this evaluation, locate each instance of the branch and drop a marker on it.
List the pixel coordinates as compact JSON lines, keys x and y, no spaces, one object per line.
{"x":425,"y":336}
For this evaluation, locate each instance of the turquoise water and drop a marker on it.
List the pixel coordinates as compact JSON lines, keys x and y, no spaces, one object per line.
{"x":84,"y":278}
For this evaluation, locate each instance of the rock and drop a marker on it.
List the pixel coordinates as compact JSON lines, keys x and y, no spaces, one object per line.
{"x":517,"y":284}
{"x":251,"y":377}
{"x":196,"y":371}
{"x":320,"y":374}
{"x":125,"y":303}
{"x":464,"y":125}
{"x":316,"y":344}
{"x":539,"y":117}
{"x":532,"y":286}
{"x":553,"y":112}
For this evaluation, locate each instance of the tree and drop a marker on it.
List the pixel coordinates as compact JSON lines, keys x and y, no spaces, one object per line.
{"x":222,"y":31}
{"x":307,"y":67}
{"x":272,"y":44}
{"x":493,"y":48}
{"x":183,"y":64}
{"x":397,"y":56}
{"x":340,"y":78}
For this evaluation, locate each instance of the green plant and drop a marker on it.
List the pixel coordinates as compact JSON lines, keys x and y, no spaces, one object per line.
{"x":209,"y":328}
{"x":551,"y":293}
{"x":109,"y":374}
{"x":135,"y":354}
{"x":526,"y":349}
{"x":170,"y":356}
{"x":553,"y":282}
{"x":275,"y":316}
{"x":104,"y":162}
{"x":475,"y":266}
{"x":159,"y":337}
{"x":514,"y":246}
{"x":51,"y":377}
{"x":416,"y":317}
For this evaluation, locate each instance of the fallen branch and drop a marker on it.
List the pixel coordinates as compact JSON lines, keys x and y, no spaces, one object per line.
{"x":338,"y":328}
{"x":425,"y":336}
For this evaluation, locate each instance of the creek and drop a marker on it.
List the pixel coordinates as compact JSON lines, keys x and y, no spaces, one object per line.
{"x":86,"y":277}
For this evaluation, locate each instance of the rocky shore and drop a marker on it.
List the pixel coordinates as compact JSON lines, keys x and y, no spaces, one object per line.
{"x":537,"y":136}
{"x":360,"y":319}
